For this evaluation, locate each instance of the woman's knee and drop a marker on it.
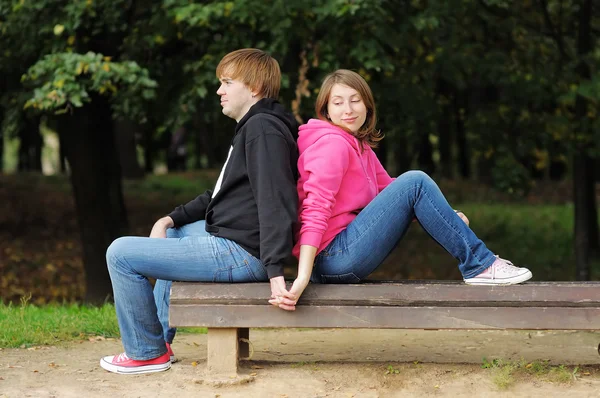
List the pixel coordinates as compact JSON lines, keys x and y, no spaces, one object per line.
{"x":416,"y":176}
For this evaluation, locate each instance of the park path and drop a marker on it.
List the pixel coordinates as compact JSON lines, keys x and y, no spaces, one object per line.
{"x":316,"y":363}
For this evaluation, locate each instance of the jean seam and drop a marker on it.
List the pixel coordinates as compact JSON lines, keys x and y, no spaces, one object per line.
{"x":323,"y":276}
{"x":248,"y":269}
{"x":395,"y":202}
{"x":364,"y":230}
{"x":465,"y":240}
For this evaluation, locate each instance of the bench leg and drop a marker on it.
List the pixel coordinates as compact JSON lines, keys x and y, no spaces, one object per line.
{"x":223,"y":349}
{"x":244,"y":337}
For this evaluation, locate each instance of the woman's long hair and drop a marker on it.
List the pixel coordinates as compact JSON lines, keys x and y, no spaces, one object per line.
{"x":367,"y":133}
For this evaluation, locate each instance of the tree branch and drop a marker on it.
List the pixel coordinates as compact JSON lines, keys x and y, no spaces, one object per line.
{"x":553,"y":32}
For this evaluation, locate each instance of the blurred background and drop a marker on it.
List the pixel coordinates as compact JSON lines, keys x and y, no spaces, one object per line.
{"x":109,"y":119}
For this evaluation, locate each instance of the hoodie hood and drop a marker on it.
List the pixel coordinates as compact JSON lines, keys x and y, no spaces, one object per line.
{"x":272,"y":107}
{"x":312,"y":131}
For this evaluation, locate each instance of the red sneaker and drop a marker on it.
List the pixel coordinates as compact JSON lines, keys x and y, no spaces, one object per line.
{"x":170,"y":352}
{"x":125,"y":365}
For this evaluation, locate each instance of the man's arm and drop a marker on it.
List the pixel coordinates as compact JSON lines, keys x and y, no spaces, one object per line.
{"x":273,"y":182}
{"x":194,"y":210}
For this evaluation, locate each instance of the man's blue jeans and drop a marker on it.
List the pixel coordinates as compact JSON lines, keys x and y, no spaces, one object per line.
{"x":370,"y":237}
{"x":188,"y":253}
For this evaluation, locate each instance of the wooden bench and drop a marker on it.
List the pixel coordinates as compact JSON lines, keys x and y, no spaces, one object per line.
{"x":230,"y":310}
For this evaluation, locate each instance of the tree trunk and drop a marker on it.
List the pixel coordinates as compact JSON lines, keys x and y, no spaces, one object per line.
{"x":464,"y":158}
{"x":1,"y":141}
{"x":425,"y":157}
{"x":583,"y":179}
{"x":592,"y":206}
{"x":402,"y":159}
{"x":62,"y":158}
{"x":30,"y":148}
{"x":148,"y":150}
{"x":89,"y":145}
{"x":382,"y":152}
{"x":199,"y":129}
{"x":208,"y":142}
{"x":444,"y":128}
{"x":126,"y":146}
{"x":583,"y":214}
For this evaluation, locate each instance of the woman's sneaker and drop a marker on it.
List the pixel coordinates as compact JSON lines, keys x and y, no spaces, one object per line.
{"x":125,"y":365}
{"x":501,"y":272}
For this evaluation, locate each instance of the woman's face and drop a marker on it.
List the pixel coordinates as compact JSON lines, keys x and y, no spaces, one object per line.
{"x":346,"y":108}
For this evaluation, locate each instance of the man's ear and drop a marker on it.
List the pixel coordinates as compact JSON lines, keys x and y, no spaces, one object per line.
{"x":254,"y":92}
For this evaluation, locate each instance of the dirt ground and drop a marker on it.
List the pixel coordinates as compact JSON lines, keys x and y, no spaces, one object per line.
{"x":318,"y":363}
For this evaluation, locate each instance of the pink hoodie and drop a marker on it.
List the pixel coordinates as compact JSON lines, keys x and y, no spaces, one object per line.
{"x":336,"y":181}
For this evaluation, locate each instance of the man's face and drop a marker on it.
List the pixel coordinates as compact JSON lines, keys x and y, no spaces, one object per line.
{"x":236,"y":98}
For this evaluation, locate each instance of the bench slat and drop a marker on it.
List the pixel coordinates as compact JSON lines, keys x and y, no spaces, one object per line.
{"x":452,"y":294}
{"x":228,"y":316}
{"x":267,"y":316}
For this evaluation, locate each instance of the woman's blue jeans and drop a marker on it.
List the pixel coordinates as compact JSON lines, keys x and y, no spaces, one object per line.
{"x":189,"y":254}
{"x":377,"y":229}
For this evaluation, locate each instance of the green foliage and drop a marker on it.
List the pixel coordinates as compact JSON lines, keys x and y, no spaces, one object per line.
{"x":65,"y":80}
{"x":508,"y":72}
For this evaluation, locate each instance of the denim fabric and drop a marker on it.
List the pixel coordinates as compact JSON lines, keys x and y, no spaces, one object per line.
{"x":188,"y":254}
{"x":371,"y":236}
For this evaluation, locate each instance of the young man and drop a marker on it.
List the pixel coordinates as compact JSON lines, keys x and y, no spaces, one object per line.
{"x":239,"y":232}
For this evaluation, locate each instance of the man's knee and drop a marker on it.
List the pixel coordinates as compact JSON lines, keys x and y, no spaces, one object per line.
{"x":116,"y":251}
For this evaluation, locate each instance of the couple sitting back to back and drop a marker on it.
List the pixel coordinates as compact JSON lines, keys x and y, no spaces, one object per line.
{"x":351,"y":213}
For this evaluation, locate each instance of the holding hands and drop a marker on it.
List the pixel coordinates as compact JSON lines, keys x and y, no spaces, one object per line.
{"x":280,"y":296}
{"x":284,"y":299}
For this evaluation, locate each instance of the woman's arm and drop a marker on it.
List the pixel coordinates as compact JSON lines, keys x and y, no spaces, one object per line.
{"x":288,"y":299}
{"x":324,"y":165}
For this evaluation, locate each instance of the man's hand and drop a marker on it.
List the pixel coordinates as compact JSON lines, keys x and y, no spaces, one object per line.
{"x":287,"y":300}
{"x":159,"y":230}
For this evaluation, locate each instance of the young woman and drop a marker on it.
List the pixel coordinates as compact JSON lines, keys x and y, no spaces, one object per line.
{"x":352,"y":213}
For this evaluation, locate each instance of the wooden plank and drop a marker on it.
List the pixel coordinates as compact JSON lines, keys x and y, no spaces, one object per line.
{"x":452,"y":294}
{"x":267,"y":316}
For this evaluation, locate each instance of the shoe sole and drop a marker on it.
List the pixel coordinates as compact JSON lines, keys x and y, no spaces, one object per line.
{"x":173,"y":359}
{"x":134,"y":371}
{"x":499,"y":282}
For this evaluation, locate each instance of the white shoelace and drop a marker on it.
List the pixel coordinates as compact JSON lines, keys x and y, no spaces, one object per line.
{"x":121,"y":358}
{"x":504,"y":265}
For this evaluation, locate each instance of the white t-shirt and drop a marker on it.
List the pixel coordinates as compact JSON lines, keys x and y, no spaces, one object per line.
{"x":220,"y":179}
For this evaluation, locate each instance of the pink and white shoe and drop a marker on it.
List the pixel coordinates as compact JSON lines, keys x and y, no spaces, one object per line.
{"x":125,"y":365}
{"x":501,"y":272}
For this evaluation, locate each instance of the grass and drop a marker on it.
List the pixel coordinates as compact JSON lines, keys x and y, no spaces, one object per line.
{"x":506,"y":373}
{"x":28,"y":325}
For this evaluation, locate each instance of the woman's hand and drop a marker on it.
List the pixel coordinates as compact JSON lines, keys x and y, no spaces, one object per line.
{"x":462,"y":216}
{"x":286,"y":300}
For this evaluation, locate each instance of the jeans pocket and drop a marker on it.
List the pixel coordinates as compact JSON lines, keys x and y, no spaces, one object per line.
{"x":257,"y":271}
{"x":350,"y":277}
{"x":223,"y":275}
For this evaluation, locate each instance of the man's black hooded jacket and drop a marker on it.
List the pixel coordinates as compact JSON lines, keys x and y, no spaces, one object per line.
{"x":257,"y":204}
